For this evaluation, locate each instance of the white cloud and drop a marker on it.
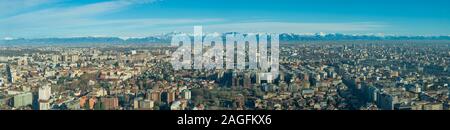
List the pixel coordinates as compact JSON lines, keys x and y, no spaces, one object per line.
{"x":84,"y":20}
{"x":84,"y":17}
{"x":77,"y":11}
{"x":9,"y":7}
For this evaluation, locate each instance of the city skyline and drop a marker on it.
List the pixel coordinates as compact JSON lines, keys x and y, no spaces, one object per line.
{"x":224,"y":63}
{"x":141,"y":18}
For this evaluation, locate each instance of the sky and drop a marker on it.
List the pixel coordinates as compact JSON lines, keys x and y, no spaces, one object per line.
{"x":140,"y":18}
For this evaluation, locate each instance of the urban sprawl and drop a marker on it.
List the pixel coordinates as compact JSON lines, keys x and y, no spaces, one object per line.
{"x":314,"y":75}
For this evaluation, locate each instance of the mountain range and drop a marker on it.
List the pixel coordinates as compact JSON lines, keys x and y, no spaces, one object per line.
{"x":166,"y":38}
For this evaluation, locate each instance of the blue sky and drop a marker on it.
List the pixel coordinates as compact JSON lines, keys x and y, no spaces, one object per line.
{"x":140,"y":18}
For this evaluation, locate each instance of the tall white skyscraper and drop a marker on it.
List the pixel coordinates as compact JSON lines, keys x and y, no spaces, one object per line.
{"x":44,"y":97}
{"x":45,"y":93}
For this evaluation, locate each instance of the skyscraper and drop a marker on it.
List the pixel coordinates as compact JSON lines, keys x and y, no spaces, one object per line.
{"x":45,"y":93}
{"x":44,"y":97}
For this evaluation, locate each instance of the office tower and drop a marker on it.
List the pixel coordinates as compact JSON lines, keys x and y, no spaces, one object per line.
{"x":44,"y":97}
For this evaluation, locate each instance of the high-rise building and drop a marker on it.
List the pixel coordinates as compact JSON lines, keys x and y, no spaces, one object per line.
{"x":171,"y":96}
{"x":55,"y":58}
{"x":146,"y":105}
{"x":92,"y":102}
{"x":247,"y":80}
{"x":433,"y":106}
{"x":44,"y":105}
{"x":186,"y":94}
{"x":258,"y":78}
{"x":155,"y":95}
{"x":267,"y":77}
{"x":45,"y":93}
{"x":136,"y":103}
{"x":110,"y":103}
{"x":83,"y":101}
{"x":63,"y":58}
{"x":75,"y":58}
{"x":10,"y":74}
{"x":22,"y":100}
{"x":386,"y":101}
{"x":235,"y":79}
{"x":372,"y":93}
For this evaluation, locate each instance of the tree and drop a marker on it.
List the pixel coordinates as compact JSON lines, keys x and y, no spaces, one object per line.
{"x":61,"y":80}
{"x":99,"y":106}
{"x":86,"y":105}
{"x":157,"y":103}
{"x":199,"y":99}
{"x":258,"y":92}
{"x":105,"y":85}
{"x":245,"y":92}
{"x":197,"y":92}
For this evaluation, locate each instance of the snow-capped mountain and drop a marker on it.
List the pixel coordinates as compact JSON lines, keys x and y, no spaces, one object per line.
{"x":166,"y":38}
